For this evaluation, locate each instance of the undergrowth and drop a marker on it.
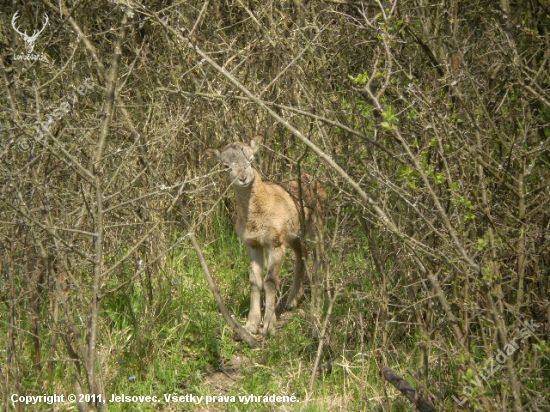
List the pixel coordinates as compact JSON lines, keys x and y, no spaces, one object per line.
{"x":173,"y":345}
{"x":174,"y":341}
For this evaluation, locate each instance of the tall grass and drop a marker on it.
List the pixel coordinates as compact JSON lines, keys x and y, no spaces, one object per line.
{"x":174,"y":345}
{"x":178,"y":343}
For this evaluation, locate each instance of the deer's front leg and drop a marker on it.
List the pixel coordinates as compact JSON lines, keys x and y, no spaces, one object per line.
{"x":274,"y":263}
{"x":256,"y":255}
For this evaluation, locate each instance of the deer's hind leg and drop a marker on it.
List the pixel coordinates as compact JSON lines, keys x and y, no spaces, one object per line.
{"x":296,"y":289}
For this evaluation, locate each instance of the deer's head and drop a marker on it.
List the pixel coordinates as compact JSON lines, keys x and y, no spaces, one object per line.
{"x":237,"y":160}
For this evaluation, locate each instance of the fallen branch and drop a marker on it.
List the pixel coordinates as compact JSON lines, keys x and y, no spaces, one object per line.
{"x":236,"y":326}
{"x":407,"y":390}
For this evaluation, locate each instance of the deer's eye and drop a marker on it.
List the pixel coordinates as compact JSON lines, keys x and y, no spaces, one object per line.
{"x":226,"y":167}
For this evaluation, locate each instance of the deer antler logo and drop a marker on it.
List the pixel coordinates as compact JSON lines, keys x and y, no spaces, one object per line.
{"x":29,"y":40}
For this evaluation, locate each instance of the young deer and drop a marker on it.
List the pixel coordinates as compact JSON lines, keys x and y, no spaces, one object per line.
{"x":268,"y":219}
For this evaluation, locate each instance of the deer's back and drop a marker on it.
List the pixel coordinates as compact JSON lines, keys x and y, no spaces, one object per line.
{"x":313,"y":197}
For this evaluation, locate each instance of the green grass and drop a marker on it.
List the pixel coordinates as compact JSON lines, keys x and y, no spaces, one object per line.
{"x":173,"y":346}
{"x":177,"y":343}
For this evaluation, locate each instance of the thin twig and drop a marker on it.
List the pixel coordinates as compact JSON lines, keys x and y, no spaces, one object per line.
{"x":322,"y":339}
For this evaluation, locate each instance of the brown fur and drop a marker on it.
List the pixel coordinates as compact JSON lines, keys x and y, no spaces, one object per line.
{"x":268,"y":219}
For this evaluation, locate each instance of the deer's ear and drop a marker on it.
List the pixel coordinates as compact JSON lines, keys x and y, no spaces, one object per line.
{"x":255,"y":144}
{"x":213,"y":152}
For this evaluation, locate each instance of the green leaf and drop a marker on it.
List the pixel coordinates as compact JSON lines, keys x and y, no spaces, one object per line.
{"x":360,"y":79}
{"x":386,"y":125}
{"x":481,"y":244}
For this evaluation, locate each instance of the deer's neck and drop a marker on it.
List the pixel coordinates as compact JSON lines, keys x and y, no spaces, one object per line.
{"x":245,"y":197}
